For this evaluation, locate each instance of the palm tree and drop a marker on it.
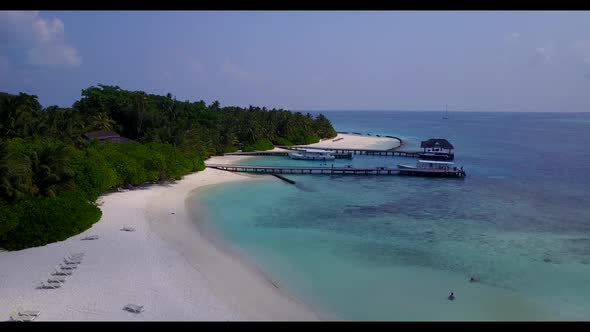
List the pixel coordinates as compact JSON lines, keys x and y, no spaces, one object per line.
{"x":15,"y":174}
{"x":19,"y":115}
{"x":50,"y":170}
{"x":101,"y":121}
{"x":141,"y":100}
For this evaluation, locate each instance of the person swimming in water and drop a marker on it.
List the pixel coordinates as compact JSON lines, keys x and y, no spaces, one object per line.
{"x":452,"y":296}
{"x":473,"y":279}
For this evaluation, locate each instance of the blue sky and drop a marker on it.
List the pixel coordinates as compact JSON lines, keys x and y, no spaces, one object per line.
{"x":341,"y":60}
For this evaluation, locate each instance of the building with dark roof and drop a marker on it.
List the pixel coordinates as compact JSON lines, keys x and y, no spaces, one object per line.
{"x":104,"y":136}
{"x":437,"y":148}
{"x":436,"y":143}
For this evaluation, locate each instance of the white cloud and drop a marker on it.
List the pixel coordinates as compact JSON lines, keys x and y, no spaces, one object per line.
{"x":317,"y":78}
{"x":54,"y":55}
{"x":513,"y":37}
{"x":316,"y":81}
{"x":582,"y":51}
{"x":4,"y":64}
{"x":41,"y":40}
{"x":47,"y":31}
{"x":232,"y":70}
{"x":194,"y":65}
{"x":238,"y":73}
{"x":543,"y":54}
{"x":5,"y":70}
{"x":10,"y":74}
{"x":580,"y":44}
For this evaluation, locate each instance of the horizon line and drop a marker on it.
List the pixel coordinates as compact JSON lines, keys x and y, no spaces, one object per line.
{"x":418,"y":110}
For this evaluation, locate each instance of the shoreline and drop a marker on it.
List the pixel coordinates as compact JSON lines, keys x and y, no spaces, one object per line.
{"x":203,"y":223}
{"x":171,"y":268}
{"x":232,"y":278}
{"x":358,"y":141}
{"x":118,"y":268}
{"x":170,"y":264}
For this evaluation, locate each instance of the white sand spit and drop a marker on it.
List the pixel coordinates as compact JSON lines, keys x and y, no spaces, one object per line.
{"x":343,"y":141}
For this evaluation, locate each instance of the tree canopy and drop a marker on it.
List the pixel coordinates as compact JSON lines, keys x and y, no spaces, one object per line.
{"x":50,"y":176}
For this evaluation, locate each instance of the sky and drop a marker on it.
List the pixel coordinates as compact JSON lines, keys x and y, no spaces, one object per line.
{"x":307,"y":60}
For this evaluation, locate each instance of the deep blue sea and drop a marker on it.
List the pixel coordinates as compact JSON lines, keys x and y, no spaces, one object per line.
{"x":393,"y":247}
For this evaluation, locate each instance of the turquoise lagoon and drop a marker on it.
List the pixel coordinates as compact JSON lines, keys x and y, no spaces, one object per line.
{"x":393,"y":248}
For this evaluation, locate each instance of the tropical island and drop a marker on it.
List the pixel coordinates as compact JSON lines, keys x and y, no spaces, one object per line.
{"x":51,"y":173}
{"x":97,"y":208}
{"x":146,"y":199}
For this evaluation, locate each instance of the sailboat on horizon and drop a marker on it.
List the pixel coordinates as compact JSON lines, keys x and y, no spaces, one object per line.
{"x":446,"y":114}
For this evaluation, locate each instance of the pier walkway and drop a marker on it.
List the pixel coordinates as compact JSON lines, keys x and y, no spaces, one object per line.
{"x":339,"y":170}
{"x":343,"y":155}
{"x":368,"y":152}
{"x":339,"y":153}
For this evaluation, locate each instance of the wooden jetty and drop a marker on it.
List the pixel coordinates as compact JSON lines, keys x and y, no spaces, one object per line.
{"x":337,"y":155}
{"x":368,"y":152}
{"x":258,"y":153}
{"x":433,"y":149}
{"x":283,"y":178}
{"x":456,"y":173}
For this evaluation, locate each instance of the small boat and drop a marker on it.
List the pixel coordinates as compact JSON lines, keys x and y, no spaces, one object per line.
{"x":436,"y":155}
{"x":312,"y":154}
{"x":446,"y":114}
{"x":432,"y":168}
{"x":406,"y":166}
{"x":436,"y":165}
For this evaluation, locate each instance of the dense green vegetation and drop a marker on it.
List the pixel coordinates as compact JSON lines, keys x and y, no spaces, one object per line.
{"x":50,"y":176}
{"x":260,"y":145}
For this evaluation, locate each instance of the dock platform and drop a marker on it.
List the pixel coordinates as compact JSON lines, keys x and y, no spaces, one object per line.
{"x":339,"y":170}
{"x":367,"y":152}
{"x":342,"y":155}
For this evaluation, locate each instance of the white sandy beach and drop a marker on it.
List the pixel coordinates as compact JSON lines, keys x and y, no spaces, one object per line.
{"x":168,"y":264}
{"x":343,"y":141}
{"x":165,"y":265}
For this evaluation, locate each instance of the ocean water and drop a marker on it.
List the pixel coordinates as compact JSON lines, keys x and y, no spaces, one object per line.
{"x":393,"y":248}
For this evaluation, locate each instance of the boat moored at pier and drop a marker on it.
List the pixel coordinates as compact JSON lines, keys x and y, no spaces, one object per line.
{"x":432,"y":168}
{"x":312,"y":154}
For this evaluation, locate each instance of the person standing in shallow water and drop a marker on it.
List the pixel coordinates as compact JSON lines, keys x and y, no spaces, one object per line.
{"x":452,"y":296}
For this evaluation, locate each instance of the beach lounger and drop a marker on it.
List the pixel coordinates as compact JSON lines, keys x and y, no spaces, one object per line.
{"x":69,"y":263}
{"x":90,"y":237}
{"x":62,"y":272}
{"x":72,"y":261}
{"x":133,"y":308}
{"x":57,"y":280}
{"x":50,"y":285}
{"x":68,"y":267}
{"x":18,"y":318}
{"x":128,"y":229}
{"x":74,"y":257}
{"x":23,"y":312}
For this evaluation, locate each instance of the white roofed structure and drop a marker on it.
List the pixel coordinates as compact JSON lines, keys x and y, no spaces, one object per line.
{"x":436,"y":162}
{"x":315,"y":150}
